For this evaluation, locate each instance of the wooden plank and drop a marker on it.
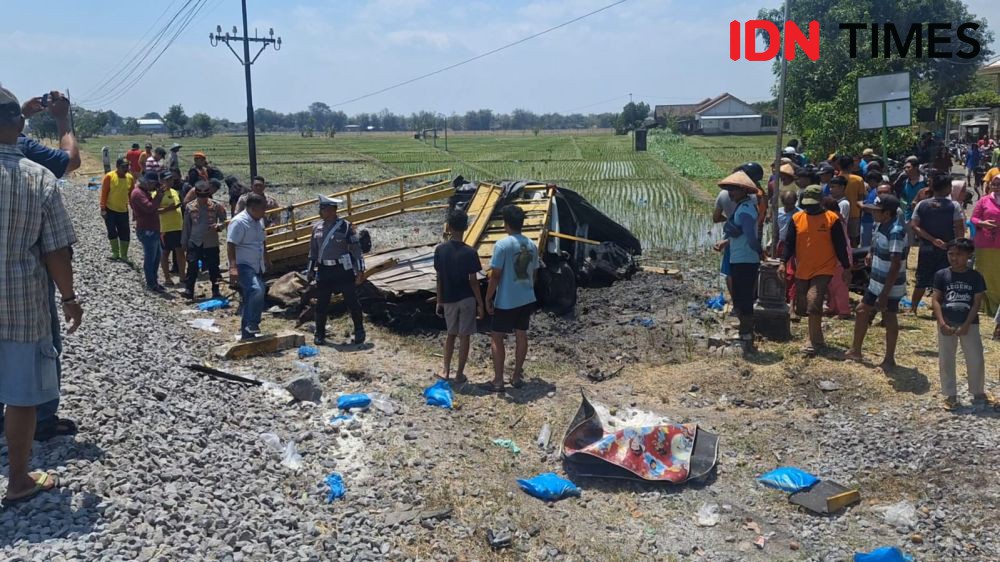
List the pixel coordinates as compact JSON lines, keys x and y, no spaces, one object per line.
{"x":260,"y":346}
{"x":481,"y":208}
{"x":573,"y":238}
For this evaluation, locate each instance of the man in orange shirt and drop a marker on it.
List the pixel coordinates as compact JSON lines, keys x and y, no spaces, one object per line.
{"x":133,"y":160}
{"x":855,"y":194}
{"x":815,"y":238}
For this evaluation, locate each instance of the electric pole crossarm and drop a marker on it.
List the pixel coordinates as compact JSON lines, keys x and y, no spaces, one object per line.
{"x":247,"y":62}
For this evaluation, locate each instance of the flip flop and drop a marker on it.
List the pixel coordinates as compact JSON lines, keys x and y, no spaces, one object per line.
{"x":44,"y":482}
{"x":517,"y":380}
{"x":461,"y":379}
{"x":490,"y":387}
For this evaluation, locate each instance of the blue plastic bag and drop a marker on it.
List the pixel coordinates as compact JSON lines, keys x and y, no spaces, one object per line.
{"x":348,"y":401}
{"x":549,"y":486}
{"x":307,"y":351}
{"x":213,"y":304}
{"x":439,"y":395}
{"x":718,"y":302}
{"x":788,"y":479}
{"x":342,"y":418}
{"x":644,"y":322}
{"x":884,"y":554}
{"x":907,"y":303}
{"x":336,"y":484}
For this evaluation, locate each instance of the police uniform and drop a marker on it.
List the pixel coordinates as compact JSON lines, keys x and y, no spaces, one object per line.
{"x":335,"y":252}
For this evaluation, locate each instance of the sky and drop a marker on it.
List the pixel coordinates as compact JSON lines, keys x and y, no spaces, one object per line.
{"x":661,"y":51}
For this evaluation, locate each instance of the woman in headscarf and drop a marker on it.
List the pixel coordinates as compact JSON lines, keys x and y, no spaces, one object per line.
{"x":986,"y":221}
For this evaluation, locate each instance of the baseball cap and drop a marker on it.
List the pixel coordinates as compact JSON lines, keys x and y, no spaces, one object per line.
{"x":824,"y":168}
{"x":121,"y":162}
{"x":151,"y":176}
{"x":9,"y":106}
{"x":888,"y":203}
{"x":788,"y":150}
{"x":812,"y":195}
{"x":325,"y":201}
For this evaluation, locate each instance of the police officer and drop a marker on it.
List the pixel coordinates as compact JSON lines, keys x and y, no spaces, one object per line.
{"x":335,"y":253}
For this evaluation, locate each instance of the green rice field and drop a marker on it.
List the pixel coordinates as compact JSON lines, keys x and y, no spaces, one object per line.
{"x":646,"y":191}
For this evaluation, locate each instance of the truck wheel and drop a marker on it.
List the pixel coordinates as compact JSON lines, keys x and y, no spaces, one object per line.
{"x":557,"y":288}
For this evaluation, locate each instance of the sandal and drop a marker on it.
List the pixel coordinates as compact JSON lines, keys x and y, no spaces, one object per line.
{"x":57,"y":426}
{"x":490,"y":387}
{"x":44,"y":482}
{"x":461,"y":379}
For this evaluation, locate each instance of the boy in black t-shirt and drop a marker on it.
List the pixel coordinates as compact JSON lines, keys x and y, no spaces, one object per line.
{"x":958,"y":294}
{"x":459,"y":299}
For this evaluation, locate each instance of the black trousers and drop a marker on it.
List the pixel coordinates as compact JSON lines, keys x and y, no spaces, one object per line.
{"x":744,"y":278}
{"x":209,"y":262}
{"x":336,"y":279}
{"x":117,"y":225}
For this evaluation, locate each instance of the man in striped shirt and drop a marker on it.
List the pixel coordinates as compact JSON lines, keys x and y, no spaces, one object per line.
{"x":37,"y":234}
{"x":888,"y":279}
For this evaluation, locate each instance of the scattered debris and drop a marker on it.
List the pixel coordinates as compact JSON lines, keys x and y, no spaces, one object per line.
{"x":717,"y":302}
{"x":336,"y":484}
{"x":597,"y":375}
{"x":548,"y":486}
{"x":901,"y":515}
{"x":270,"y":343}
{"x":760,"y":541}
{"x":382,"y":403}
{"x":307,"y":351}
{"x":826,"y":497}
{"x":674,"y":453}
{"x":340,"y":419}
{"x":212,"y":304}
{"x":828,"y":386}
{"x":543,"y":436}
{"x":751,"y":525}
{"x":290,"y":456}
{"x":708,"y":515}
{"x":351,"y":401}
{"x":305,"y":388}
{"x":508,"y":444}
{"x":499,"y":539}
{"x":788,"y":479}
{"x":515,"y":422}
{"x":207,"y":324}
{"x":212,"y":372}
{"x":439,"y":394}
{"x":644,"y":322}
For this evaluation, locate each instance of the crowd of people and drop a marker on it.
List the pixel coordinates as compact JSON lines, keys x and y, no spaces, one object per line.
{"x":847,"y":214}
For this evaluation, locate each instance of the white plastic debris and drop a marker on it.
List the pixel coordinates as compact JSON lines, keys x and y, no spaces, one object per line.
{"x":207,"y":324}
{"x":901,"y":515}
{"x":290,"y":456}
{"x":383,"y":404}
{"x":708,"y":515}
{"x":543,"y":436}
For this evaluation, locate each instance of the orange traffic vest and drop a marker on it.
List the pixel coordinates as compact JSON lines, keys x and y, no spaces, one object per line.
{"x":814,"y":253}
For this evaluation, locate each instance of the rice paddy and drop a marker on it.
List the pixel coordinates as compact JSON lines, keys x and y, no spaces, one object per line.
{"x":645,"y":191}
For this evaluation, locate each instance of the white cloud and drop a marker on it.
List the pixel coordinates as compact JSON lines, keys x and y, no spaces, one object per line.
{"x":415,"y":37}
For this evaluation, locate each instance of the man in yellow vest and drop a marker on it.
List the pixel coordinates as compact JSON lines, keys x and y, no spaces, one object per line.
{"x":115,"y":190}
{"x":817,"y":240}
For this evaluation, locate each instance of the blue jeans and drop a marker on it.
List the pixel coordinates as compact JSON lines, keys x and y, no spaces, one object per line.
{"x":252,"y":294}
{"x":151,"y":250}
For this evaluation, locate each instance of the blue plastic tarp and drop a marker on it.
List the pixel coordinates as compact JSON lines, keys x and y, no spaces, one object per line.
{"x":718,"y":302}
{"x":788,"y":479}
{"x":307,"y":351}
{"x":549,"y":486}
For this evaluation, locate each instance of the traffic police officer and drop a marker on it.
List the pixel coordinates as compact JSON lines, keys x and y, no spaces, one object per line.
{"x":335,"y":254}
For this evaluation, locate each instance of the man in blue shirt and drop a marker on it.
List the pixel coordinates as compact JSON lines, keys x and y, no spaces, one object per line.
{"x":510,"y":297}
{"x":744,"y":248}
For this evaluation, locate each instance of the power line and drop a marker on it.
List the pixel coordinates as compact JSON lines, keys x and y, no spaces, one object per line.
{"x":134,"y":52}
{"x":133,"y":65}
{"x":479,"y":56}
{"x":115,"y":96}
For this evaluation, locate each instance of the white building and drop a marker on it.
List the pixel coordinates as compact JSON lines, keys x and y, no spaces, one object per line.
{"x":152,"y":126}
{"x":723,"y":115}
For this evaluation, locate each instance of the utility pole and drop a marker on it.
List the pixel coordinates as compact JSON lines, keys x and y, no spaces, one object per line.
{"x":246,"y":61}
